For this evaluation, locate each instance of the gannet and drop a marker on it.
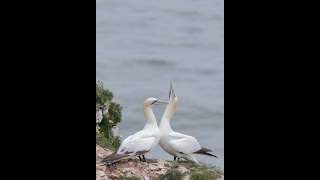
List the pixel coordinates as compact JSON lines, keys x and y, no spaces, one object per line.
{"x":142,"y":141}
{"x":176,"y":144}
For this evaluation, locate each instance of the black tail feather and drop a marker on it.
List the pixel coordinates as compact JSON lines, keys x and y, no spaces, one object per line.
{"x":114,"y":157}
{"x":205,"y":151}
{"x":208,"y":154}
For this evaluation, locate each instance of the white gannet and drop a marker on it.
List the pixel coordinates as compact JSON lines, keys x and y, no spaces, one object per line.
{"x":142,"y":141}
{"x":176,"y":144}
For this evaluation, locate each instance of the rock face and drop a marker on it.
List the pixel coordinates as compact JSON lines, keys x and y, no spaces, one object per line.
{"x":128,"y":167}
{"x":133,"y":168}
{"x":101,"y":110}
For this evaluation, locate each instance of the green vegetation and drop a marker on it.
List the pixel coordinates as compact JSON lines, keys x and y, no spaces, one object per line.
{"x":202,"y":172}
{"x":105,"y":136}
{"x":171,"y":175}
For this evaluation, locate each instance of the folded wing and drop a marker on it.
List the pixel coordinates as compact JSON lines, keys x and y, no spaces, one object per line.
{"x":136,"y":145}
{"x":183,"y":143}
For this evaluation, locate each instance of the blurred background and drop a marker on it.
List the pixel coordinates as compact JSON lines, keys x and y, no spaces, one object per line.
{"x":142,"y":45}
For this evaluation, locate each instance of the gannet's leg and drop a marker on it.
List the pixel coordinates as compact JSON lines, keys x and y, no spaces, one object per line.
{"x":144,"y":159}
{"x":176,"y":158}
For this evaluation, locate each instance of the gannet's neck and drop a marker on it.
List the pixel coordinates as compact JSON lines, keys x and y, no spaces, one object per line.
{"x":167,"y":115}
{"x":149,"y":116}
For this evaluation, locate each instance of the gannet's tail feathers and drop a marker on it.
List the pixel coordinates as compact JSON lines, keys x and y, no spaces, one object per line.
{"x":205,"y":151}
{"x":114,"y":157}
{"x":117,"y":157}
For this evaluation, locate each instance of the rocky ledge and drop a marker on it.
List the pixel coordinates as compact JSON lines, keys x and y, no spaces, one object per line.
{"x":134,"y":169}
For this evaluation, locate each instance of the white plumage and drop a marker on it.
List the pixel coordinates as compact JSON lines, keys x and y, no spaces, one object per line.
{"x":177,"y":144}
{"x":142,"y":141}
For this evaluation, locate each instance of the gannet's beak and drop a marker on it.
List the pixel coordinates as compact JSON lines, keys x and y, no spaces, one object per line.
{"x":170,"y":91}
{"x":172,"y":95}
{"x":159,"y":102}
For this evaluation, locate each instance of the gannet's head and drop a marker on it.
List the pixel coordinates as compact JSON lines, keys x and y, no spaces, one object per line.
{"x":153,"y":101}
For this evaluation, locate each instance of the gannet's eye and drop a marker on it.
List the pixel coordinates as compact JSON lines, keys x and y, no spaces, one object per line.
{"x":154,"y":102}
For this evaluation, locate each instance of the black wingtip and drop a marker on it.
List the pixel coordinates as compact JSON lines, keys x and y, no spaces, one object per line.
{"x":208,"y":154}
{"x":213,"y":155}
{"x":114,"y":157}
{"x":205,"y":151}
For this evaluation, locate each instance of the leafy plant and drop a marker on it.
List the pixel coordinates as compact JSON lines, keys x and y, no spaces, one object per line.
{"x":105,"y":135}
{"x":171,"y":175}
{"x":202,"y":172}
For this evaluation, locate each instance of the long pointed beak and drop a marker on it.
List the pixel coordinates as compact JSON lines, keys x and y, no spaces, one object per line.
{"x":172,"y":95}
{"x":161,"y":102}
{"x":170,"y":91}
